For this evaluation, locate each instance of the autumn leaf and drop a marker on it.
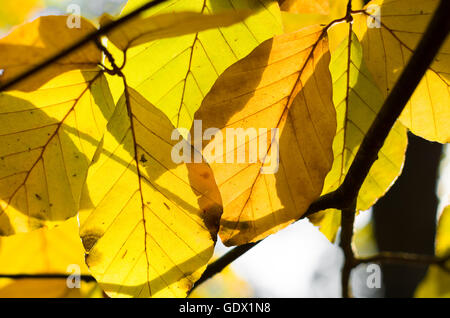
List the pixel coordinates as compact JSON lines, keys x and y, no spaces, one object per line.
{"x":305,"y":6}
{"x":437,"y":281}
{"x":30,"y":44}
{"x":284,"y":83}
{"x":148,"y":225}
{"x":48,"y":288}
{"x":142,"y":30}
{"x":297,"y":14}
{"x":16,"y":12}
{"x":48,"y":137}
{"x":175,"y":74}
{"x":44,"y":252}
{"x":358,"y":100}
{"x":388,"y":48}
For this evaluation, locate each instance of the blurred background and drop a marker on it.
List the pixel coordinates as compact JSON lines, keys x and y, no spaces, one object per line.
{"x":298,"y":261}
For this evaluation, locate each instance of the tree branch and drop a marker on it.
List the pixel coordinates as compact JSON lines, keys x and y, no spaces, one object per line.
{"x":85,"y":278}
{"x":367,"y":154}
{"x":347,"y":221}
{"x":218,"y":265}
{"x":406,"y":258}
{"x":94,"y":36}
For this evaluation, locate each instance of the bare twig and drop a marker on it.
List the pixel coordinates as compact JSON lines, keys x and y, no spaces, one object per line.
{"x":406,"y":258}
{"x":85,"y":278}
{"x":347,"y":221}
{"x":218,"y":265}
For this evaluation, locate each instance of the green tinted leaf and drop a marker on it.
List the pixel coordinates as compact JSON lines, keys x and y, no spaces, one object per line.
{"x":357,"y":101}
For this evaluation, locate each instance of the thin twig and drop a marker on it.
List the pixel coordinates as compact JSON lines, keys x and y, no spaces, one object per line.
{"x":85,"y":278}
{"x":347,"y":222}
{"x":218,"y":265}
{"x":405,"y":258}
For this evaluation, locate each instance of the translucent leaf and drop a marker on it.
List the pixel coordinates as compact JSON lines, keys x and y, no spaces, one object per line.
{"x":48,"y":138}
{"x":297,"y":14}
{"x":141,"y":30}
{"x":16,"y":12}
{"x":437,"y":281}
{"x":284,"y":83}
{"x":30,"y":44}
{"x":48,"y":252}
{"x":387,"y":50}
{"x":175,"y":74}
{"x":148,"y":225}
{"x":358,"y":100}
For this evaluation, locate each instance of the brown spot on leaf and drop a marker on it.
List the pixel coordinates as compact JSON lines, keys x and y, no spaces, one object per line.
{"x":211,"y":219}
{"x":205,"y":175}
{"x":90,"y":238}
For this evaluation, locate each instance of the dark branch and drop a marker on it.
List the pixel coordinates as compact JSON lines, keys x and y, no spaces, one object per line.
{"x":85,"y":278}
{"x":347,"y":221}
{"x":405,"y":258}
{"x":94,"y":36}
{"x":367,"y":154}
{"x":218,"y":265}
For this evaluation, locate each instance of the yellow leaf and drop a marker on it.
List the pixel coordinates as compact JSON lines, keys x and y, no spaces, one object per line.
{"x":16,"y":12}
{"x":55,"y":251}
{"x":437,"y":281}
{"x":148,"y":225}
{"x":387,"y":50}
{"x":30,"y":44}
{"x":297,"y":14}
{"x":43,"y":251}
{"x":226,"y":284}
{"x":48,"y":138}
{"x":307,"y":6}
{"x":357,"y":101}
{"x":141,"y":30}
{"x":284,"y":83}
{"x":48,"y":288}
{"x":175,"y":74}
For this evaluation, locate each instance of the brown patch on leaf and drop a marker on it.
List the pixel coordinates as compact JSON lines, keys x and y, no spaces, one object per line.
{"x":90,"y":238}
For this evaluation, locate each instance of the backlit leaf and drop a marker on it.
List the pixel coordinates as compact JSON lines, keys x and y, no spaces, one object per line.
{"x":284,"y":83}
{"x":358,"y":100}
{"x":48,"y":138}
{"x":175,"y":74}
{"x":48,"y":252}
{"x":166,"y":25}
{"x":148,"y":225}
{"x":43,"y":251}
{"x":307,"y":6}
{"x":297,"y":14}
{"x":437,"y":281}
{"x":30,"y":44}
{"x":16,"y":12}
{"x":387,"y":50}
